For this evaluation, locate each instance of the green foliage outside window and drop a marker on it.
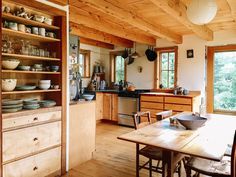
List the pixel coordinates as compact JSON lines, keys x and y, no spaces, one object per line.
{"x":225,"y":81}
{"x":120,"y":69}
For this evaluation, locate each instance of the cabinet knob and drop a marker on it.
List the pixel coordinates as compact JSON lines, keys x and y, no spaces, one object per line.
{"x":36,"y":118}
{"x":35,"y":168}
{"x":35,"y":139}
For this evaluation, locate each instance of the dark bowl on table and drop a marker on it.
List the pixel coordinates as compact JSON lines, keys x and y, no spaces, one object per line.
{"x":191,"y":122}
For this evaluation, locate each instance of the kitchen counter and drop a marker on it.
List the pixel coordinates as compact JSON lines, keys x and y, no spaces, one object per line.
{"x":81,"y":102}
{"x":109,"y":91}
{"x":191,"y":94}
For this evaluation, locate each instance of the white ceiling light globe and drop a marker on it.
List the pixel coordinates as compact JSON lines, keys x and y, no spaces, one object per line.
{"x":201,"y":12}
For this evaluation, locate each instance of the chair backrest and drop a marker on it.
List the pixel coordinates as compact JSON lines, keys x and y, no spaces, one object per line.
{"x":233,"y":157}
{"x":138,"y":123}
{"x":164,"y":114}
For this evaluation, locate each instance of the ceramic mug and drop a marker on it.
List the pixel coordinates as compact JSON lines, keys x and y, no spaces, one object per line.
{"x":28,"y":30}
{"x":42,"y":31}
{"x":35,"y":30}
{"x":21,"y":27}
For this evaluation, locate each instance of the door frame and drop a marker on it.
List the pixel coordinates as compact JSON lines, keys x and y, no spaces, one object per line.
{"x":210,"y":73}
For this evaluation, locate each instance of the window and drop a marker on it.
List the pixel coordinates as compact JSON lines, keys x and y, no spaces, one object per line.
{"x":118,"y":67}
{"x":221,"y":83}
{"x":166,"y":68}
{"x":84,"y":63}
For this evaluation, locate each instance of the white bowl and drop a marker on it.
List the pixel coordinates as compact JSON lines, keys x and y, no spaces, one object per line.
{"x":8,"y":84}
{"x":88,"y":97}
{"x":44,"y":86}
{"x":45,"y":82}
{"x":10,"y":63}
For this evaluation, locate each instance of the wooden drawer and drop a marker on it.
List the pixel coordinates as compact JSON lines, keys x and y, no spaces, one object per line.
{"x":176,"y":107}
{"x":26,"y":141}
{"x":178,"y":100}
{"x":39,"y":165}
{"x":152,"y":111}
{"x":31,"y":119}
{"x":151,"y":105}
{"x":152,"y":98}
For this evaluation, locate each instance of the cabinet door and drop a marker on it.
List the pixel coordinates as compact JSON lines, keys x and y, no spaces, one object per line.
{"x":43,"y":164}
{"x":99,"y":106}
{"x":107,"y":106}
{"x":114,"y":116}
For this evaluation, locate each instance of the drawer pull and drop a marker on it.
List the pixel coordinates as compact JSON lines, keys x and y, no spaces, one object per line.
{"x":35,"y":139}
{"x":36,"y":118}
{"x":35,"y":168}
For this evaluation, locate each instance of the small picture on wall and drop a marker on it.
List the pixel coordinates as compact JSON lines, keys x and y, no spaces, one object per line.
{"x":190,"y":53}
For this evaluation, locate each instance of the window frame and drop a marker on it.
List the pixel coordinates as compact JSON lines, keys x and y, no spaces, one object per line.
{"x":87,"y":55}
{"x":157,"y":66}
{"x":210,"y":77}
{"x":112,"y":72}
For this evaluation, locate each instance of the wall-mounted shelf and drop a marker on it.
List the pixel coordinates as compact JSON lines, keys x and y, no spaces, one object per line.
{"x":28,"y":57}
{"x":31,"y":91}
{"x":22,"y":20}
{"x":29,"y":36}
{"x":30,"y":72}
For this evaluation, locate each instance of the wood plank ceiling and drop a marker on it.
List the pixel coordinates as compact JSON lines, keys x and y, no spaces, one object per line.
{"x":119,"y":22}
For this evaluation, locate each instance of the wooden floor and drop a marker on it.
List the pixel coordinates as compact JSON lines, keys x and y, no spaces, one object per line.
{"x":112,"y":158}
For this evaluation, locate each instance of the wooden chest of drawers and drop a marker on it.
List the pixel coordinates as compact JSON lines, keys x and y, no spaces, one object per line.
{"x":32,"y":145}
{"x":158,"y":103}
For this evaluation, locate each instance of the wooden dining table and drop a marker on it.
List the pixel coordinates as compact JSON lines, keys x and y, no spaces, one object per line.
{"x":209,"y":141}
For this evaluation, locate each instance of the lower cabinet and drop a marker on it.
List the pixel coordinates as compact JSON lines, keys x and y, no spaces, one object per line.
{"x":31,"y":145}
{"x":110,"y":106}
{"x":40,"y":165}
{"x":158,"y":103}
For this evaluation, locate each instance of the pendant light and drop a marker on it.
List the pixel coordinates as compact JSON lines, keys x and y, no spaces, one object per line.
{"x":135,"y":54}
{"x":201,"y":12}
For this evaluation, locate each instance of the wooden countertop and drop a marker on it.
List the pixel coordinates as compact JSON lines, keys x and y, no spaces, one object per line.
{"x":190,"y":95}
{"x":30,"y":112}
{"x":81,"y":102}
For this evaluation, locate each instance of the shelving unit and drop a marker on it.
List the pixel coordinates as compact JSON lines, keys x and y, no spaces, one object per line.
{"x":56,"y":45}
{"x":31,"y":91}
{"x":10,"y":17}
{"x":29,"y":57}
{"x":29,"y":36}
{"x":30,"y":72}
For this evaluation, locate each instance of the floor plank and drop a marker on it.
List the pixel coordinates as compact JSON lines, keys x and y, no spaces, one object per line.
{"x":112,"y":158}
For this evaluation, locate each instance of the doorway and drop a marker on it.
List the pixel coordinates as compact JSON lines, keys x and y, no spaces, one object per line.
{"x":221,"y":79}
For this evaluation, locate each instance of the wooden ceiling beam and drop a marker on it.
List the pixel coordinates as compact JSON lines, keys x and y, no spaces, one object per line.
{"x":177,"y":10}
{"x":102,"y":25}
{"x":128,"y":15}
{"x":232,"y":5}
{"x":96,"y":43}
{"x":90,"y":33}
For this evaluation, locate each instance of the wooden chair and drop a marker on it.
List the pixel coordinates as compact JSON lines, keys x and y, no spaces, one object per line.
{"x":225,"y":168}
{"x":152,"y":153}
{"x":164,"y":114}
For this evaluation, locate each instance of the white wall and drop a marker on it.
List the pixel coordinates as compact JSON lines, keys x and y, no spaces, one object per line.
{"x":143,"y":80}
{"x":99,"y":55}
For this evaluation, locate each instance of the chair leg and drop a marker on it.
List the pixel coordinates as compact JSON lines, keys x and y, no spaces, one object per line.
{"x":137,"y":160}
{"x":188,"y":172}
{"x":150,"y":167}
{"x":179,"y":169}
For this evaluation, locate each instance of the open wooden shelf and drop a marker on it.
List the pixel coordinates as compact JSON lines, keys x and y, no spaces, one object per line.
{"x":27,"y":57}
{"x":31,"y":91}
{"x":29,"y":72}
{"x":23,"y":35}
{"x":24,"y":21}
